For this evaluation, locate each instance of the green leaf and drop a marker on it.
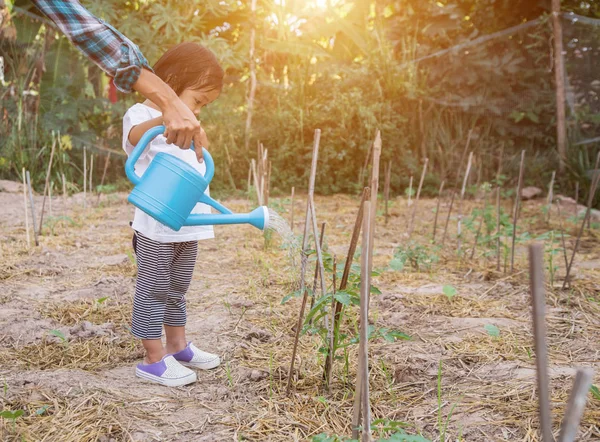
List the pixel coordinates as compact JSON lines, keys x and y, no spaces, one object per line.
{"x":58,"y":334}
{"x":102,"y":300}
{"x":42,"y":410}
{"x":375,"y":290}
{"x":595,"y":392}
{"x":9,"y":414}
{"x":492,"y":330}
{"x":449,"y":291}
{"x":399,"y":335}
{"x":343,"y":298}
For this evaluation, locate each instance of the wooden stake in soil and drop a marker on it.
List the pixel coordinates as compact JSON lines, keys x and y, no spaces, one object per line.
{"x":317,"y":267}
{"x":498,"y":242}
{"x":25,"y":208}
{"x":437,"y":210}
{"x":550,"y":196}
{"x":576,"y":405}
{"x":104,"y":170}
{"x":35,"y":235}
{"x":344,"y":282}
{"x":292,"y":212}
{"x":585,"y":216}
{"x":448,"y":217}
{"x":374,"y":190}
{"x":462,"y":197}
{"x":361,"y":395}
{"x":562,"y":234}
{"x":320,"y":266}
{"x":84,"y":176}
{"x":414,"y":212}
{"x":91,"y":188}
{"x":311,"y":190}
{"x":48,"y":170}
{"x":386,"y":189}
{"x":256,"y":185}
{"x":538,"y":302}
{"x":516,"y":214}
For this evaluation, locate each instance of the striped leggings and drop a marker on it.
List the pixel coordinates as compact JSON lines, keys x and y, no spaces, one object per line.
{"x":164,"y":273}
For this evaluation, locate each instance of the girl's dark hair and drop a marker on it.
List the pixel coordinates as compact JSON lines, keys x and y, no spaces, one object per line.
{"x":190,"y":66}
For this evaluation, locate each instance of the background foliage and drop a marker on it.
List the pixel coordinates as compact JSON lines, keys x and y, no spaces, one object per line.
{"x":344,"y":66}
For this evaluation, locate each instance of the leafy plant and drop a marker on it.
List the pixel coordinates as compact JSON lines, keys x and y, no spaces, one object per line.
{"x":492,"y":330}
{"x":449,"y":291}
{"x":419,"y":257}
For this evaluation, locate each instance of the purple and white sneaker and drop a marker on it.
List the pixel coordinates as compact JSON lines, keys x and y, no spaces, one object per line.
{"x":193,"y":357}
{"x":167,"y":372}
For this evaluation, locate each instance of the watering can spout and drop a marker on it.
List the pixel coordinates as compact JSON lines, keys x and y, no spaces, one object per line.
{"x":258,"y":218}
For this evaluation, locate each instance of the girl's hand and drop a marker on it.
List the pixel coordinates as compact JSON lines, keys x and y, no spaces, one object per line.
{"x":203,"y":143}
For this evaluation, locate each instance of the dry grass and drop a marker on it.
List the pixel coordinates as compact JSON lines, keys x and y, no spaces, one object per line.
{"x":93,"y":354}
{"x":246,"y":398}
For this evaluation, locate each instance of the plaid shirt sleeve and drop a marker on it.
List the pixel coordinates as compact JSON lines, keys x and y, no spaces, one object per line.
{"x":114,"y":53}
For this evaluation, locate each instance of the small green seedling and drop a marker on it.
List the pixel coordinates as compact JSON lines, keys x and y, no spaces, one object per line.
{"x":449,"y":291}
{"x":595,"y":392}
{"x":60,"y":335}
{"x":42,"y":410}
{"x":100,"y":301}
{"x":492,"y":330}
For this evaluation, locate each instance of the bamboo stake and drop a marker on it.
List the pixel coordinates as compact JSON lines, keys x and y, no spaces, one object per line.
{"x":585,"y":216}
{"x":292,"y":210}
{"x":448,"y":217}
{"x":361,"y":395}
{"x":538,"y":302}
{"x":345,"y":275}
{"x":410,"y":191}
{"x":498,"y":242}
{"x":562,"y":234}
{"x":84,"y":176}
{"x":320,"y":266}
{"x":462,"y":197}
{"x":374,"y":191}
{"x":386,"y":189}
{"x":576,"y":405}
{"x":104,"y":170}
{"x":437,"y":210}
{"x":256,"y":186}
{"x":311,"y":189}
{"x":498,"y":189}
{"x":414,"y":212}
{"x":48,"y":170}
{"x":35,"y":235}
{"x":516,"y":214}
{"x":317,"y":267}
{"x":25,"y":207}
{"x":91,"y":188}
{"x":550,"y":196}
{"x":327,"y":373}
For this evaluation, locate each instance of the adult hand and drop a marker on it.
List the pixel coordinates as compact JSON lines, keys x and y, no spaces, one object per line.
{"x":182,"y":127}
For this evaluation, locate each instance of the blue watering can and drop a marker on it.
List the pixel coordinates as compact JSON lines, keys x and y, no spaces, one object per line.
{"x":170,"y":189}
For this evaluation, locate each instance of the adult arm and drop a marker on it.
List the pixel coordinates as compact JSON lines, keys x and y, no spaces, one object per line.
{"x":121,"y":59}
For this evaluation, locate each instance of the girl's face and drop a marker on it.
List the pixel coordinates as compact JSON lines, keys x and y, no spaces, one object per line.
{"x":196,"y":99}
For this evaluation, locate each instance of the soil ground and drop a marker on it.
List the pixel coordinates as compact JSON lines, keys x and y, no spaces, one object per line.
{"x":67,"y":358}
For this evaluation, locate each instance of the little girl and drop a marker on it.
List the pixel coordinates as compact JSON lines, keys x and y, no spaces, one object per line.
{"x":166,"y":258}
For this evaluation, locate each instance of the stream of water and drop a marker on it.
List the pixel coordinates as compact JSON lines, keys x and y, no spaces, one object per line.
{"x":288,"y":240}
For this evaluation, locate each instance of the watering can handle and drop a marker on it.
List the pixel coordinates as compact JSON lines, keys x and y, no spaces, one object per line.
{"x":141,"y":146}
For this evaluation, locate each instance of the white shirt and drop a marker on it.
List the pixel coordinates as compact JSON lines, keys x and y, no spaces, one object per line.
{"x":142,"y":222}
